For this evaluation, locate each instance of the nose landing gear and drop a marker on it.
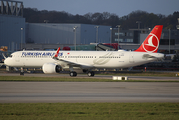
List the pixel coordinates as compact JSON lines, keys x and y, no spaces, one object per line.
{"x":22,"y":71}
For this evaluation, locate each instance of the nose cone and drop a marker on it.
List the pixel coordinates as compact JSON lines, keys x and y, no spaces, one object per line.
{"x":7,"y":62}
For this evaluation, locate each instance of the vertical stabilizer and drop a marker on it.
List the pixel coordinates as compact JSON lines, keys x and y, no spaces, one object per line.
{"x":151,"y":43}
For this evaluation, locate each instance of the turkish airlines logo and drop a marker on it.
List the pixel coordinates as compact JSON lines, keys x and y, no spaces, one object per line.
{"x":151,"y":44}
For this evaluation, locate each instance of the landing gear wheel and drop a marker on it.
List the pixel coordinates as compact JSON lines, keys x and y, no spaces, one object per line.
{"x":91,"y":74}
{"x":21,"y":73}
{"x":73,"y":74}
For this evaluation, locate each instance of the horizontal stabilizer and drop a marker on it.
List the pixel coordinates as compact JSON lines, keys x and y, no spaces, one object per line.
{"x":145,"y":56}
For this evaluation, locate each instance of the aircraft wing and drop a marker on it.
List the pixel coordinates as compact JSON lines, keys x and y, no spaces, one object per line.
{"x":73,"y":64}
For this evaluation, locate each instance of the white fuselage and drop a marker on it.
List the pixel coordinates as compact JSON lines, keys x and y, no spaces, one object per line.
{"x":93,"y":59}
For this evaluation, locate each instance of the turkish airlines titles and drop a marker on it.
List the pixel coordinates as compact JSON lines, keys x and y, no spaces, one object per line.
{"x":40,"y":54}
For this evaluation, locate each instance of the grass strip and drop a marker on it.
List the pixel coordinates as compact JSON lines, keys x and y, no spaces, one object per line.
{"x":154,"y":74}
{"x":69,"y":79}
{"x":89,"y":111}
{"x":51,"y":79}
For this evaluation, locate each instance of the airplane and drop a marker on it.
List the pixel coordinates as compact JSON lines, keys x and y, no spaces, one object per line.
{"x":55,"y":61}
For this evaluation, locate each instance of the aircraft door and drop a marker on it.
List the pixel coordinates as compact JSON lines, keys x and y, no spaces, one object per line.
{"x":17,"y":59}
{"x":78,"y":58}
{"x":68,"y":56}
{"x":131,"y":57}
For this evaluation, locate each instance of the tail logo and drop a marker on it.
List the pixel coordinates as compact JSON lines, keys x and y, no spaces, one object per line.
{"x":151,"y":44}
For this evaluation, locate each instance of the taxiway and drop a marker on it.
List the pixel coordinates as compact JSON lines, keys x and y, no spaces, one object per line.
{"x":71,"y":92}
{"x":53,"y":92}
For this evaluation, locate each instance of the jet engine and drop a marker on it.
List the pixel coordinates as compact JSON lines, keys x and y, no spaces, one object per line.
{"x":51,"y":68}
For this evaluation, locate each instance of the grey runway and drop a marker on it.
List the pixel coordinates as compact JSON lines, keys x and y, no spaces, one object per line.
{"x":71,"y":92}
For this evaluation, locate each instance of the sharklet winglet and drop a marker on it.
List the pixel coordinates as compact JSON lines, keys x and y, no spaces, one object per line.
{"x":56,"y":54}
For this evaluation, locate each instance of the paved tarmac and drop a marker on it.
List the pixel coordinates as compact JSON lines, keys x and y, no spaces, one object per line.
{"x":71,"y":92}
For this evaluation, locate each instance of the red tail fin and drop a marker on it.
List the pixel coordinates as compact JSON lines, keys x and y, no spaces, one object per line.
{"x":151,"y":43}
{"x":56,"y":55}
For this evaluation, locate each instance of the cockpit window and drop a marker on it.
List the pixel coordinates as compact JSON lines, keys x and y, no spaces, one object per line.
{"x":10,"y":56}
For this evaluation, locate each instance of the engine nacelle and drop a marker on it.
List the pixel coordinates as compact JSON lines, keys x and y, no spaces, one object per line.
{"x":51,"y":68}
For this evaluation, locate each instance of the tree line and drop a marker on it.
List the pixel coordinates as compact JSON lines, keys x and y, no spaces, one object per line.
{"x":147,"y":20}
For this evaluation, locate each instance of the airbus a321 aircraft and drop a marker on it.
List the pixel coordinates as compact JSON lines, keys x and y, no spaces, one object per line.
{"x":54,"y":62}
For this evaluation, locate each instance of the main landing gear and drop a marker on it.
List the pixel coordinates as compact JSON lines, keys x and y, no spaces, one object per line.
{"x":91,"y":73}
{"x":74,"y":74}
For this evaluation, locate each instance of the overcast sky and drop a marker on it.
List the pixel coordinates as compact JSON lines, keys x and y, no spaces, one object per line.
{"x":119,"y":7}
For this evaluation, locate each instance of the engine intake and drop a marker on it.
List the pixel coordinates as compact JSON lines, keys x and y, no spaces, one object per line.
{"x":51,"y":68}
